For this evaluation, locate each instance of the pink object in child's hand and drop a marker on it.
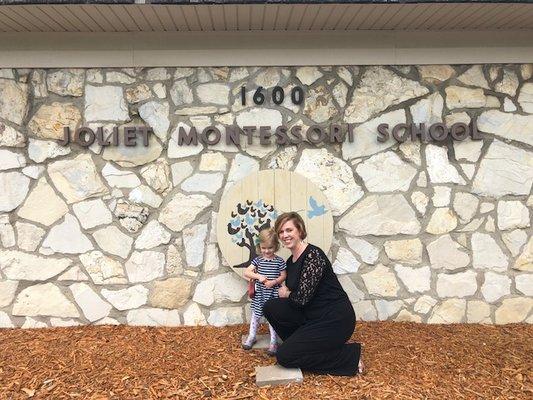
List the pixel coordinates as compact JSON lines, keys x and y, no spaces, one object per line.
{"x":251,"y":288}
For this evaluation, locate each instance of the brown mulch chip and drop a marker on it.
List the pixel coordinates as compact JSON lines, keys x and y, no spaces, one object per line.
{"x":403,"y":361}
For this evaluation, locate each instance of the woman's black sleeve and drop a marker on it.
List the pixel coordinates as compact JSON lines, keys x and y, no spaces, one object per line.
{"x":312,"y":270}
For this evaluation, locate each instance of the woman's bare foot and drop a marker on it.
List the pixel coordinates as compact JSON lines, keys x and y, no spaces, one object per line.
{"x":361,"y":365}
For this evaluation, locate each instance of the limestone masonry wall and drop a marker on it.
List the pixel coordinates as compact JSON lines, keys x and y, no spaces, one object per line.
{"x":437,"y":232}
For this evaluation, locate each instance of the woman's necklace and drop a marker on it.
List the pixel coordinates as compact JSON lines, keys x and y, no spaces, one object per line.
{"x":300,"y":250}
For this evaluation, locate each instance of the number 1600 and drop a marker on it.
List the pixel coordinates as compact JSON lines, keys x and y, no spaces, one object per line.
{"x":277,"y":94}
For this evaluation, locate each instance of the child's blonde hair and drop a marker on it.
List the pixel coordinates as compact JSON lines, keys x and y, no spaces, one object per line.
{"x":268,"y":236}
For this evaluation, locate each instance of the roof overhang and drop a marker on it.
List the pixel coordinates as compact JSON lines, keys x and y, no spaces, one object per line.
{"x":271,"y":15}
{"x":196,"y":32}
{"x":318,"y":1}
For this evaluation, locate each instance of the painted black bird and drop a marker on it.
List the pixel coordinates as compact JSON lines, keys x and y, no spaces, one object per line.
{"x":232,"y":231}
{"x":241,"y":210}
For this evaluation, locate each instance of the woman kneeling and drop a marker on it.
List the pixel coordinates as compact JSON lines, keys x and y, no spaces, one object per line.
{"x":313,"y":314}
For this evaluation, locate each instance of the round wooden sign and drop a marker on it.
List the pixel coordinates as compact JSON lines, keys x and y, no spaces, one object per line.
{"x":255,"y":202}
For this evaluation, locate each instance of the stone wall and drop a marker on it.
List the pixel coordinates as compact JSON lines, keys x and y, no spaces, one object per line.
{"x":437,"y":233}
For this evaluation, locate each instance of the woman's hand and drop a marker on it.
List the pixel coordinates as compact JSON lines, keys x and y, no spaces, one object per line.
{"x":262,"y":279}
{"x":284,"y":292}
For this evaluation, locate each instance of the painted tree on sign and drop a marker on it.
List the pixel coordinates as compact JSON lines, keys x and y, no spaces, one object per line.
{"x":245,"y":224}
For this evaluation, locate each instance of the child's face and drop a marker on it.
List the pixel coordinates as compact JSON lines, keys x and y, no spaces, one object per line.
{"x":267,"y":250}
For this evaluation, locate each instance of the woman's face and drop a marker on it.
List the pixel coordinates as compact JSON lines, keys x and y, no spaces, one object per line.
{"x":289,"y":235}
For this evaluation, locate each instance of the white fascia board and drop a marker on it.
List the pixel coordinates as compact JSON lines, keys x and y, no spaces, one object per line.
{"x":56,"y":50}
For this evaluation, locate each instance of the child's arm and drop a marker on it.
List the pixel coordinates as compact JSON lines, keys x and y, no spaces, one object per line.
{"x":282,"y":277}
{"x":250,"y":274}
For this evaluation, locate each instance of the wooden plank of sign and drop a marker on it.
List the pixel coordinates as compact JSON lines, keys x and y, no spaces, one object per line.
{"x":232,"y":252}
{"x":249,"y":192}
{"x":267,"y":188}
{"x":298,"y":193}
{"x":283,"y":188}
{"x":327,"y":238}
{"x":315,"y":223}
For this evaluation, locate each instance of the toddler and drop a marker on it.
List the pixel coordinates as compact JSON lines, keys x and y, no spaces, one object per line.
{"x":268,"y":270}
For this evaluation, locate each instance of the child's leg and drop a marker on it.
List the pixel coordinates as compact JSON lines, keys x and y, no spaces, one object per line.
{"x":254,"y":324}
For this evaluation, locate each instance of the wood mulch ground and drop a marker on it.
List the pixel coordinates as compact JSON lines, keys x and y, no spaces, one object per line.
{"x":403,"y":361}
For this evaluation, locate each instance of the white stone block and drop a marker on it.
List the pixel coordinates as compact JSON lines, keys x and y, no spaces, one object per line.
{"x":44,"y":300}
{"x":381,"y":281}
{"x":275,"y":375}
{"x":495,"y":286}
{"x":93,"y":307}
{"x":414,"y":279}
{"x":512,"y":214}
{"x":153,"y":317}
{"x":126,"y":299}
{"x":225,"y":316}
{"x":345,"y":262}
{"x":462,"y":284}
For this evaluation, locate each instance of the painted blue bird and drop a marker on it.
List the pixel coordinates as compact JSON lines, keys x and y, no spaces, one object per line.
{"x":316,"y":209}
{"x":249,"y":220}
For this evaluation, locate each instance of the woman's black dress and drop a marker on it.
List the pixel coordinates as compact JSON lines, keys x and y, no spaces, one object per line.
{"x":316,"y":320}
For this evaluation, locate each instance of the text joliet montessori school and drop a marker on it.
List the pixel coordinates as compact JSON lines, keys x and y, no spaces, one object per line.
{"x":267,"y":135}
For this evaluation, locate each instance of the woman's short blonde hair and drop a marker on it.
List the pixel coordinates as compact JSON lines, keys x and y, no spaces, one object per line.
{"x":296,"y":219}
{"x":269,"y":236}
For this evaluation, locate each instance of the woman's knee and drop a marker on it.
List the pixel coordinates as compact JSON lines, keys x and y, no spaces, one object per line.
{"x":285,"y":357}
{"x":269,"y":308}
